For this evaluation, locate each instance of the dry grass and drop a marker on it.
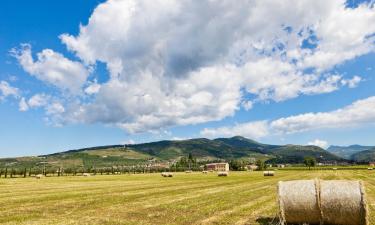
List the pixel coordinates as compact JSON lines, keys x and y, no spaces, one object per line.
{"x":241,"y":198}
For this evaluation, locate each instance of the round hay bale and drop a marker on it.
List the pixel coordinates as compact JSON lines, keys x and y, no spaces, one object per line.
{"x":343,"y":202}
{"x":370,"y":168}
{"x":204,"y":172}
{"x":166,"y":174}
{"x":39,"y":176}
{"x":337,"y":202}
{"x":298,"y":202}
{"x":223,"y":174}
{"x":86,"y":174}
{"x":268,"y":173}
{"x":188,"y":171}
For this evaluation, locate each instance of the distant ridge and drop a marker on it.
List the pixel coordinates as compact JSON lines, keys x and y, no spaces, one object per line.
{"x":364,"y":156}
{"x":348,"y":151}
{"x":233,"y":148}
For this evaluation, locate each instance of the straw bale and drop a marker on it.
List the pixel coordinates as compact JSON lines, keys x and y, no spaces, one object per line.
{"x":336,"y":202}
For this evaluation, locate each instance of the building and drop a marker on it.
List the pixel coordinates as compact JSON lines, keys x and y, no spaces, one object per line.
{"x":371,"y":163}
{"x":217,"y":167}
{"x":252,"y":167}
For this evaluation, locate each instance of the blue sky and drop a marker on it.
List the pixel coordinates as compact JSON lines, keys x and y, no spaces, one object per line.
{"x":85,"y":73}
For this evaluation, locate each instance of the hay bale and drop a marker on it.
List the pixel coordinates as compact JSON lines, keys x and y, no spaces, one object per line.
{"x":268,"y":173}
{"x":322,"y":202}
{"x":343,"y":202}
{"x":39,"y":176}
{"x":334,"y":168}
{"x":223,"y":174}
{"x":370,"y":168}
{"x":86,"y":174}
{"x":167,"y":174}
{"x":298,"y":202}
{"x":188,"y":171}
{"x":204,"y":172}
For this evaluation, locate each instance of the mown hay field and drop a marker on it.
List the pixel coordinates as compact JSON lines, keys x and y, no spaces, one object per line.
{"x":195,"y":198}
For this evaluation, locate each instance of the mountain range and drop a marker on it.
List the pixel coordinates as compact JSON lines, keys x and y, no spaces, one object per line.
{"x":358,"y":153}
{"x":201,"y":148}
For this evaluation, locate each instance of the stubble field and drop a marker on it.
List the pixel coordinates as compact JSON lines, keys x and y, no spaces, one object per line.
{"x":240,"y":198}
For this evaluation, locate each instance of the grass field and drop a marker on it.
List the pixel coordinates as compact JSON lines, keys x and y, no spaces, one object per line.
{"x":241,"y":198}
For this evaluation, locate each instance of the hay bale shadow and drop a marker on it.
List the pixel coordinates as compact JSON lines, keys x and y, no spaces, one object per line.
{"x":268,"y":221}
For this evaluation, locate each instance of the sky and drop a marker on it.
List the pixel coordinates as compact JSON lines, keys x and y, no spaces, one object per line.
{"x":76,"y":74}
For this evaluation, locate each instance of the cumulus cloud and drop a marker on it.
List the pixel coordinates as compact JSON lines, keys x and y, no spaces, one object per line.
{"x":187,"y":62}
{"x":256,"y":129}
{"x":247,"y":105}
{"x":55,"y":108}
{"x":152,"y":103}
{"x":352,"y":83}
{"x":92,"y":88}
{"x":52,"y":68}
{"x":38,"y":100}
{"x":6,"y":90}
{"x":319,"y":143}
{"x":22,"y":105}
{"x":359,"y":112}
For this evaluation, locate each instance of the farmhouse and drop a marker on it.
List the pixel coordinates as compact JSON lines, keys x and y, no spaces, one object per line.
{"x":252,"y":167}
{"x":217,"y":167}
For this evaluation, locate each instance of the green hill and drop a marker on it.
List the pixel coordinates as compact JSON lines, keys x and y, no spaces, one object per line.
{"x":200,"y":148}
{"x":364,"y":156}
{"x":297,"y":153}
{"x":203,"y":149}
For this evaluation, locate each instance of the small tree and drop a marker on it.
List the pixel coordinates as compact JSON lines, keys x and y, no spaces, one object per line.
{"x":260,"y":164}
{"x":310,"y":161}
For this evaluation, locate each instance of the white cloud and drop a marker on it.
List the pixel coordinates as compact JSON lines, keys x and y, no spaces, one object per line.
{"x":93,"y":88}
{"x":128,"y":142}
{"x":38,"y":100}
{"x":180,"y":138}
{"x":337,"y":43}
{"x":187,"y":62}
{"x":361,"y":112}
{"x":273,"y":79}
{"x":22,"y":105}
{"x":352,"y":83}
{"x":358,"y":113}
{"x":53,"y":68}
{"x":256,"y":130}
{"x":247,"y":105}
{"x":319,"y":143}
{"x":55,"y":108}
{"x":151,"y":103}
{"x":7,"y":90}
